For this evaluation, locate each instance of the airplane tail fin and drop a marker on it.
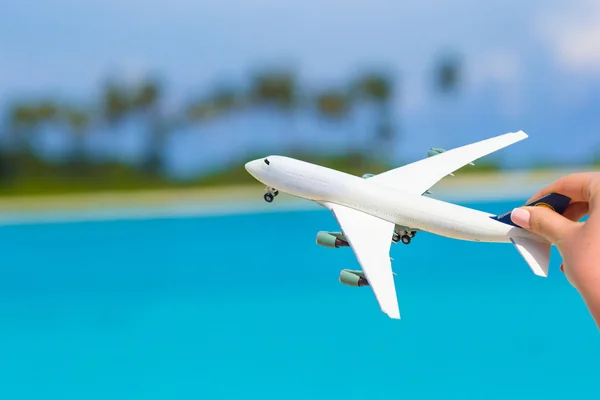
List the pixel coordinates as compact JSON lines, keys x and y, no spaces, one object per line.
{"x":536,"y":254}
{"x":554,"y":201}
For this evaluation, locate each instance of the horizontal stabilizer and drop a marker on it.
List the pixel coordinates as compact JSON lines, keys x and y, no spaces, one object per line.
{"x":537,"y":254}
{"x":553,"y":201}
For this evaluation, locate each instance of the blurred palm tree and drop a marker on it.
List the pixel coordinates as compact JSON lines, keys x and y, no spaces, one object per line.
{"x":447,"y":81}
{"x":6,"y":167}
{"x":78,"y":122}
{"x":115,"y":101}
{"x":273,"y":90}
{"x":46,"y":111}
{"x":447,"y":74}
{"x":223,"y":100}
{"x":275,"y":87}
{"x":333,"y":104}
{"x":120,"y":100}
{"x":278,"y":90}
{"x":147,"y":100}
{"x":377,"y":88}
{"x":23,"y":119}
{"x":226,"y":99}
{"x":147,"y":95}
{"x":200,"y":110}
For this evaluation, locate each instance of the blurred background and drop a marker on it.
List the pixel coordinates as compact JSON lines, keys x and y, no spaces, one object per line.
{"x":120,"y":105}
{"x":109,"y":95}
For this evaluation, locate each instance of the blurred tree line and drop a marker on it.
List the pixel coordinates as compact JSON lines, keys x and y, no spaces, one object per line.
{"x":23,"y":169}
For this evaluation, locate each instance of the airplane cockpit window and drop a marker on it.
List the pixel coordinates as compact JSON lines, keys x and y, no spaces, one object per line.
{"x":267,"y":161}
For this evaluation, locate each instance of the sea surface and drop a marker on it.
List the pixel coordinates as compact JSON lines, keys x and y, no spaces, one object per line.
{"x":249,"y":307}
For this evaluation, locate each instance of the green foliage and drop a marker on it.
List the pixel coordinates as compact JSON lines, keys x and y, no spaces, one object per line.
{"x":221,"y":101}
{"x":374,"y":87}
{"x":22,"y":114}
{"x":38,"y":178}
{"x":79,"y":120}
{"x":333,"y":104}
{"x":115,"y":102}
{"x":356,"y":164}
{"x":447,"y":75}
{"x":225,"y":99}
{"x":49,"y":178}
{"x":480,"y":167}
{"x":31,"y":114}
{"x":279,"y":88}
{"x":22,"y":172}
{"x":118,"y":99}
{"x":46,"y":111}
{"x":146,"y":95}
{"x":201,"y":110}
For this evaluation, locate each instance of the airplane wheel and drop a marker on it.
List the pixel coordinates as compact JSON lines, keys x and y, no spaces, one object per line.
{"x":268,"y":197}
{"x":275,"y":193}
{"x":412,"y":234}
{"x":395,"y":238}
{"x":405,"y":239}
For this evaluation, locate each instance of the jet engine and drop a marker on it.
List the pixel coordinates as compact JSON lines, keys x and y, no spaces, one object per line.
{"x":367,"y":176}
{"x":434,"y":151}
{"x":332,"y":240}
{"x":353,"y":278}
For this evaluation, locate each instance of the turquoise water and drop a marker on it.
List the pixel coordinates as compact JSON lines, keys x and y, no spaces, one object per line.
{"x":248,"y":307}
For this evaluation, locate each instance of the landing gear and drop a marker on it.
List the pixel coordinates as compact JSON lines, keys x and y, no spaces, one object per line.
{"x":271,"y":194}
{"x":404,"y":236}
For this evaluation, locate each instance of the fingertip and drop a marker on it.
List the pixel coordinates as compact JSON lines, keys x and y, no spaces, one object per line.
{"x":521,"y":217}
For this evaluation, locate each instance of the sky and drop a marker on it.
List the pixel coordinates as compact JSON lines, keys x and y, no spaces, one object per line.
{"x":530,"y":65}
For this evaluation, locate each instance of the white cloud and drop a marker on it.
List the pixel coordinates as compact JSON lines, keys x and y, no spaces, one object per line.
{"x":573,"y":35}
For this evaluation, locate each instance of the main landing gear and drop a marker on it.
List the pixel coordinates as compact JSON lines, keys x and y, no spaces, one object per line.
{"x":271,"y":194}
{"x":405,"y":238}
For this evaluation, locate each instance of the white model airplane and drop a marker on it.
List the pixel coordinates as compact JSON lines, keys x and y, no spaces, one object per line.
{"x":391,"y":206}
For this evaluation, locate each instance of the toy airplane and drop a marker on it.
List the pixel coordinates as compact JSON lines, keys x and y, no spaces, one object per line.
{"x":374,"y":211}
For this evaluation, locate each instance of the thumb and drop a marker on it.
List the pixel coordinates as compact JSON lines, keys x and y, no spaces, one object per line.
{"x":545,"y":222}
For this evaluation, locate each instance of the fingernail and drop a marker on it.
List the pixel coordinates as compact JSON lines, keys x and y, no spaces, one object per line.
{"x":520,"y":217}
{"x":562,"y":268}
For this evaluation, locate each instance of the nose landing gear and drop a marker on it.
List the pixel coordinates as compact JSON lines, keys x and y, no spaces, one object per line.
{"x":271,"y":194}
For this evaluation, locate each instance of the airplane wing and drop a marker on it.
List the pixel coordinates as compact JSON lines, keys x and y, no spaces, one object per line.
{"x":370,"y":239}
{"x":420,"y":176}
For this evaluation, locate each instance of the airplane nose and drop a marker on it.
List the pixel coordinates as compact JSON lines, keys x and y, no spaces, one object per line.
{"x":251,"y":167}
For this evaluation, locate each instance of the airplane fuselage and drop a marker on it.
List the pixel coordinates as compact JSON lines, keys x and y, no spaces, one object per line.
{"x":321,"y":184}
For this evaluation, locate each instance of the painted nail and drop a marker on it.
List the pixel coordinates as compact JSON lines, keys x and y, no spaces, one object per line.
{"x":520,"y":217}
{"x":562,"y":268}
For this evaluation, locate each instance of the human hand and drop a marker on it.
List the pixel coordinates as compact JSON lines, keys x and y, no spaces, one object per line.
{"x":577,"y":242}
